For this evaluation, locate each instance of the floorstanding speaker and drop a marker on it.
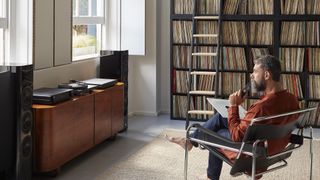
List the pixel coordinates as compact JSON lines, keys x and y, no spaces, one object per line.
{"x":16,"y":122}
{"x":114,"y":65}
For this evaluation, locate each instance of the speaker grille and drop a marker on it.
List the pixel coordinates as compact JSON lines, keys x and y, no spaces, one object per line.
{"x":27,"y":74}
{"x":26,"y":147}
{"x":27,"y":97}
{"x":26,"y":122}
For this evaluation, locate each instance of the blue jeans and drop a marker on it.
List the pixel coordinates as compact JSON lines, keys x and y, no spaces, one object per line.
{"x":219,"y":125}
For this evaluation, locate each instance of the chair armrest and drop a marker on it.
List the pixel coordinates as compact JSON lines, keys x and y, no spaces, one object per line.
{"x":213,"y":139}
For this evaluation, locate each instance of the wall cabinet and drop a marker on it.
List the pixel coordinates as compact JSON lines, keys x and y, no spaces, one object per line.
{"x":52,"y":33}
{"x":43,"y":33}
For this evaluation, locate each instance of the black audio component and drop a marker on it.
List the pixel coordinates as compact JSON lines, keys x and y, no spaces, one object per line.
{"x":16,"y":123}
{"x":79,"y":88}
{"x":114,"y":65}
{"x":51,"y":96}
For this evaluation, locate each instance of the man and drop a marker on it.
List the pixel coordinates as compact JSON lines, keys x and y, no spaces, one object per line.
{"x":265,"y":78}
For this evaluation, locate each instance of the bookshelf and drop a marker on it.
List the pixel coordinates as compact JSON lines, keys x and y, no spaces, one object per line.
{"x":287,"y":29}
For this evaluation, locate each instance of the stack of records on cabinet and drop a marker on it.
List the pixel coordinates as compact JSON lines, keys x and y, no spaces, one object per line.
{"x":51,"y":96}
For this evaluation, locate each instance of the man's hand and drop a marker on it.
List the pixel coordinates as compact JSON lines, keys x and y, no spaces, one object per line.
{"x":235,"y":98}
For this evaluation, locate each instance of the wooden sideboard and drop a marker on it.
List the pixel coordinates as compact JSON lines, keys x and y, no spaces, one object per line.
{"x":65,"y":130}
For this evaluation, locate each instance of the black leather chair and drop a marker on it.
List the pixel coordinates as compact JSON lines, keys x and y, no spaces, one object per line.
{"x":252,"y":151}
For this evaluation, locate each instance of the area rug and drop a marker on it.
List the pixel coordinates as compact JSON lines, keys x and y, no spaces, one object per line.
{"x":162,"y":160}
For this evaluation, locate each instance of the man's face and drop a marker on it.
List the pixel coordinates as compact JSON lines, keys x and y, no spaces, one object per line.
{"x":258,"y":78}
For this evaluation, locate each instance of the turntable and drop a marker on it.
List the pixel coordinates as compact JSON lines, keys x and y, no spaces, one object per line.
{"x":79,"y":88}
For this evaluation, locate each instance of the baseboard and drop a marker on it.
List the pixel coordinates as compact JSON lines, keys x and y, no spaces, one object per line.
{"x":144,"y":113}
{"x":131,"y":114}
{"x":164,"y":112}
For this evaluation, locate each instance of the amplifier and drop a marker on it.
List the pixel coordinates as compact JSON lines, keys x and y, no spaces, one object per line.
{"x":79,"y":88}
{"x":51,"y":96}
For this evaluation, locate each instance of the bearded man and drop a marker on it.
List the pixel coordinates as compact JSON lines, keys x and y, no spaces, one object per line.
{"x":275,"y":100}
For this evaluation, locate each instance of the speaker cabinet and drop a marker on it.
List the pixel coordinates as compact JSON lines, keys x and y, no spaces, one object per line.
{"x":16,"y":122}
{"x":114,"y":65}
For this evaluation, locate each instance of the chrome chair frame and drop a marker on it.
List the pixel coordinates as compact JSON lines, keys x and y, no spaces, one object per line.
{"x":250,"y":145}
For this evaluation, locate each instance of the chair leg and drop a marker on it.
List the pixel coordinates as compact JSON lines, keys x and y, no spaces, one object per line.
{"x":186,"y":164}
{"x":186,"y":157}
{"x":253,"y":170}
{"x":311,"y":152}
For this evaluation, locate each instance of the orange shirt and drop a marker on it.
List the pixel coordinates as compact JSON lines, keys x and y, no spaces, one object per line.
{"x":270,"y":104}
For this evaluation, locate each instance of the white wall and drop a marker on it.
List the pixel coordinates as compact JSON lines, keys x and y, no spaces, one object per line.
{"x":51,"y":77}
{"x":142,"y":70}
{"x":163,"y":54}
{"x":149,"y":75}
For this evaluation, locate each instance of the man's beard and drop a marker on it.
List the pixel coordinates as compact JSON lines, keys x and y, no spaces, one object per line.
{"x":260,"y":86}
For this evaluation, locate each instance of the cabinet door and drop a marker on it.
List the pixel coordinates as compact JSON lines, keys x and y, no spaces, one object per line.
{"x":62,"y":132}
{"x":117,"y":109}
{"x":102,"y":116}
{"x":83,"y":118}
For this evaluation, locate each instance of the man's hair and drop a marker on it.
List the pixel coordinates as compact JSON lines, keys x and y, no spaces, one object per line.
{"x":271,"y":64}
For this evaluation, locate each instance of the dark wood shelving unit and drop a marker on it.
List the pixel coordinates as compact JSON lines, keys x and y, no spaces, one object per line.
{"x":277,"y":19}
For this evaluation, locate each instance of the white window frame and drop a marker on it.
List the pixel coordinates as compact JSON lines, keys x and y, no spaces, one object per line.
{"x":17,"y":26}
{"x":133,"y":26}
{"x":90,"y":20}
{"x":125,"y":26}
{"x":3,"y":26}
{"x":118,"y":31}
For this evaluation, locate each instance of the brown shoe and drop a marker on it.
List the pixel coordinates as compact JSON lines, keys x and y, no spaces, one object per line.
{"x":181,"y":141}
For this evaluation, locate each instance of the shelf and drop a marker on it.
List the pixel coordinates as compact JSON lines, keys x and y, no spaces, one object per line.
{"x":314,"y":73}
{"x":187,"y":69}
{"x":247,"y":17}
{"x":189,"y":44}
{"x":313,"y":99}
{"x":268,"y":17}
{"x":276,"y":48}
{"x":179,"y":94}
{"x":247,"y":45}
{"x":221,"y":70}
{"x":185,"y":17}
{"x":299,"y":46}
{"x":292,"y":17}
{"x":234,"y":45}
{"x":232,"y":70}
{"x":259,"y":46}
{"x":291,"y":72}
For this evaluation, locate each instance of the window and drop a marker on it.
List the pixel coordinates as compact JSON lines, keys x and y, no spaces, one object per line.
{"x":125,"y":28}
{"x":108,"y":25}
{"x":3,"y":26}
{"x":88,"y":19}
{"x":16,"y":31}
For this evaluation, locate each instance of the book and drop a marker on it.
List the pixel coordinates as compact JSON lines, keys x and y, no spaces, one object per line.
{"x":222,"y":105}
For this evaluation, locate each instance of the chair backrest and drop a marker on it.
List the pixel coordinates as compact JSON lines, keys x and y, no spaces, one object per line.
{"x":260,"y":129}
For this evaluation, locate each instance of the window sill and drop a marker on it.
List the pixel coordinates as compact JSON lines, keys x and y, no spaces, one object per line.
{"x":84,"y":57}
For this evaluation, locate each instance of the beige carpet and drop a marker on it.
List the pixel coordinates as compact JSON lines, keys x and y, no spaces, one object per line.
{"x":162,"y":160}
